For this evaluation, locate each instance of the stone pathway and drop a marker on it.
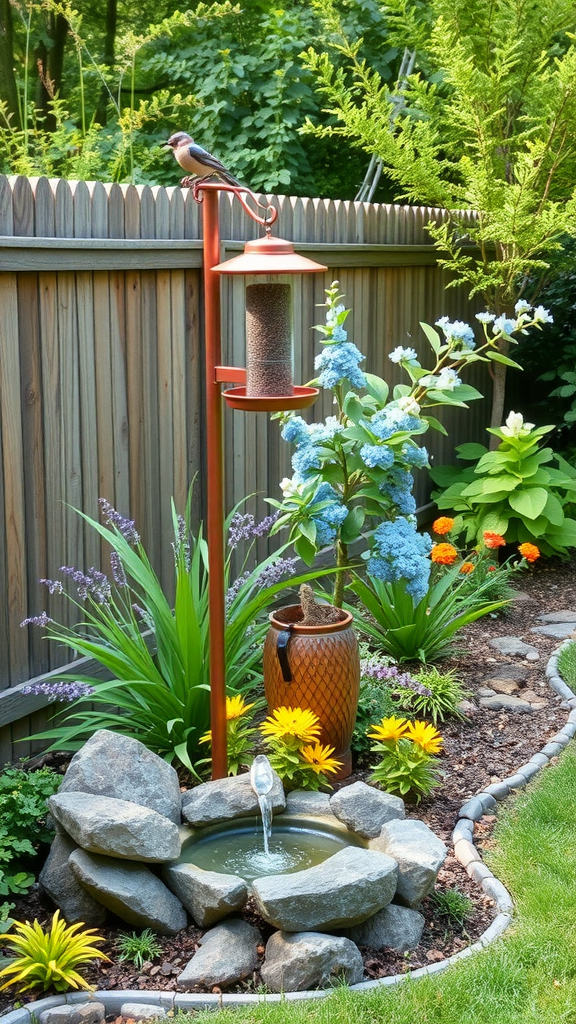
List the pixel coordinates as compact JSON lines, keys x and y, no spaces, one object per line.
{"x":507,"y":686}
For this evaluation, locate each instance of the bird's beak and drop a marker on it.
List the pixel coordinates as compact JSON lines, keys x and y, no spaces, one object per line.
{"x":165,"y":145}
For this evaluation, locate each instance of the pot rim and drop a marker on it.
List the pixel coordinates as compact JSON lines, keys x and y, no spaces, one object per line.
{"x":286,"y":616}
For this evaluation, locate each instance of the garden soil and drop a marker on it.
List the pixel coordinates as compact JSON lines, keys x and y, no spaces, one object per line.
{"x":487,"y":747}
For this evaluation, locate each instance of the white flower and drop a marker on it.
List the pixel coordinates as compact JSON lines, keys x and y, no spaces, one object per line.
{"x":486,"y":318}
{"x":515,"y":426}
{"x":400,"y":355}
{"x":448,"y":380}
{"x":522,"y":306}
{"x":409,"y":405}
{"x":289,"y":487}
{"x":542,"y":316}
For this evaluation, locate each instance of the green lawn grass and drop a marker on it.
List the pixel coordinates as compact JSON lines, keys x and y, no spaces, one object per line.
{"x":527,"y":977}
{"x":567,"y":664}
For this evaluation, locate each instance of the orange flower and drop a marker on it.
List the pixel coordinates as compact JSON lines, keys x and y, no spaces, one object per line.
{"x":529,"y":551}
{"x":467,"y":567}
{"x":492,"y":568}
{"x":442,"y":525}
{"x":493,"y":540}
{"x":444,"y":554}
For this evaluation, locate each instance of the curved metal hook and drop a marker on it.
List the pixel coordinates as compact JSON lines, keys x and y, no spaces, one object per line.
{"x":200,"y":184}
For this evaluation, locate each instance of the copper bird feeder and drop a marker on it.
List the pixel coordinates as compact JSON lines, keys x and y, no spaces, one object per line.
{"x":265,"y":385}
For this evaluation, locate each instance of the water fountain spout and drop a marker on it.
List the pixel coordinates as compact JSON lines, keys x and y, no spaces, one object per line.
{"x":262,"y":781}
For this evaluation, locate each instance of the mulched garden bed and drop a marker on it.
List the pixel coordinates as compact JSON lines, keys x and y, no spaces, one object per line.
{"x":487,"y":747}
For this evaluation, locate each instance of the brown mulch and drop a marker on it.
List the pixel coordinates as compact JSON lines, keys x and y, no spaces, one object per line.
{"x":487,"y":747}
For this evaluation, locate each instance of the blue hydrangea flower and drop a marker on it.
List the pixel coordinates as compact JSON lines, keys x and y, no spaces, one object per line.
{"x":504,"y":324}
{"x":304,"y":461}
{"x":338,"y":363}
{"x":415,"y":456}
{"x":390,"y":420}
{"x":320,"y":433}
{"x":339,"y":334}
{"x":377,"y":455}
{"x":457,"y":333}
{"x":401,"y":553}
{"x":295,"y":430}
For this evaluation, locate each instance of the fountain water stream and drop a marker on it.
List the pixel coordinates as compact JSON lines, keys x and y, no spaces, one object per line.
{"x":262,"y":781}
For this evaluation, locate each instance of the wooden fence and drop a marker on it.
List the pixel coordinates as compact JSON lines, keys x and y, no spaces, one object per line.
{"x":101,"y":372}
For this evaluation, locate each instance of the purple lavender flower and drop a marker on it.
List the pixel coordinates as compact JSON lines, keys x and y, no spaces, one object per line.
{"x":62,"y":692}
{"x":54,"y":586}
{"x":37,"y":620}
{"x":125,"y":526}
{"x":243,"y":527}
{"x":93,"y":582}
{"x":371,"y":668}
{"x":234,"y":588}
{"x":146,"y":618}
{"x":118,"y":574}
{"x":274,"y":572}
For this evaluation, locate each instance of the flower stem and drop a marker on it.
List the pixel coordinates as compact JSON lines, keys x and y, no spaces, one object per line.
{"x":341,"y":563}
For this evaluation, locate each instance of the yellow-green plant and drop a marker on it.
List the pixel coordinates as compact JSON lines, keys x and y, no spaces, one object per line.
{"x":240,"y":733}
{"x":407,"y":765}
{"x":292,"y":736}
{"x":49,"y":958}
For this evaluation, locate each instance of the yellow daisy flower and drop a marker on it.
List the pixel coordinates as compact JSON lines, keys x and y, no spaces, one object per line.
{"x":292,"y":723}
{"x":389,"y":729}
{"x":425,"y":736}
{"x":318,"y":757}
{"x":235,"y":707}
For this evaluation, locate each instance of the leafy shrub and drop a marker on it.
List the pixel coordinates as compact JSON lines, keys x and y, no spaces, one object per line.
{"x":23,"y":827}
{"x":159,"y":656}
{"x":425,"y":631}
{"x":49,"y":958}
{"x":407,"y":765}
{"x":240,"y":733}
{"x":375,"y":702}
{"x":445,"y":692}
{"x":291,"y":736}
{"x":138,"y":948}
{"x":515,"y":491}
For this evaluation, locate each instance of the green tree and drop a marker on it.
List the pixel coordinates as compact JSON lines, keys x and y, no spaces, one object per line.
{"x":486,"y":132}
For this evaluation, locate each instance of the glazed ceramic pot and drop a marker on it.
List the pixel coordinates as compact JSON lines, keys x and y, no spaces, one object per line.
{"x":316,"y":667}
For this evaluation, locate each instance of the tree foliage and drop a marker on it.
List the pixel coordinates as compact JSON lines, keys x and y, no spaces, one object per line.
{"x":95,"y":90}
{"x":486,"y":131}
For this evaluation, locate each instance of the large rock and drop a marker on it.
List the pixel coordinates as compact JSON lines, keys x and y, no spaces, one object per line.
{"x":227,"y":954}
{"x":122,"y":767}
{"x":365,"y":809}
{"x":60,"y":883}
{"x":420,"y":855}
{"x":207,"y":895}
{"x":344,"y":890}
{"x":225,"y":799}
{"x":102,"y":824}
{"x":130,"y":891}
{"x":310,"y":960}
{"x":303,"y":801}
{"x":394,"y":927}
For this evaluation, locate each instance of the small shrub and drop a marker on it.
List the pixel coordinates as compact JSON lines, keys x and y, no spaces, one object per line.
{"x":441,"y":701}
{"x":375,"y":702}
{"x":567,"y":664}
{"x":138,"y":948}
{"x":407,"y":765}
{"x":49,"y":959}
{"x":453,"y":904}
{"x":291,"y":736}
{"x":23,"y":826}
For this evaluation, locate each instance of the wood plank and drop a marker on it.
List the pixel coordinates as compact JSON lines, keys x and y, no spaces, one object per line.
{"x":22,"y":206}
{"x":34,"y":467}
{"x":88,"y":412}
{"x":12,"y":464}
{"x":6,"y":214}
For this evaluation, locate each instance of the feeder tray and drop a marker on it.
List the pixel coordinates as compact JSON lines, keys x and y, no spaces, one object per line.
{"x":302,"y":397}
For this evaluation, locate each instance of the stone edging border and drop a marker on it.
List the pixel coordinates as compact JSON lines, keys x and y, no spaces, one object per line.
{"x":466,"y":853}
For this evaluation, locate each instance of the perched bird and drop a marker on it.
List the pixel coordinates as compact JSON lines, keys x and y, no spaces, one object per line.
{"x":197,"y":161}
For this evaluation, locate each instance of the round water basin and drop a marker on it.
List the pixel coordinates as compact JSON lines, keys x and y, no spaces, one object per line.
{"x":237,"y":848}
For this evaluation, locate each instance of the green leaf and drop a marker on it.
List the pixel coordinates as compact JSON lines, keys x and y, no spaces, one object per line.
{"x":377,"y":387}
{"x":352,"y":525}
{"x":305,"y":550}
{"x":435,"y":424}
{"x":497,"y":357}
{"x":307,"y":529}
{"x":470,"y":450}
{"x":432,"y":335}
{"x":530,"y":502}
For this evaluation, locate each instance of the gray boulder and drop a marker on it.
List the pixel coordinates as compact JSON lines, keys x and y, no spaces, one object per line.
{"x":90,"y":1012}
{"x":130,"y":891}
{"x":123,"y":768}
{"x":512,"y":645}
{"x":60,"y":883}
{"x":365,"y":809}
{"x":225,"y":799}
{"x":227,"y":954}
{"x":302,"y":801}
{"x":118,"y":828}
{"x":419,"y":853}
{"x":310,"y":960}
{"x":344,"y":890}
{"x":207,"y":895}
{"x":394,"y":927}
